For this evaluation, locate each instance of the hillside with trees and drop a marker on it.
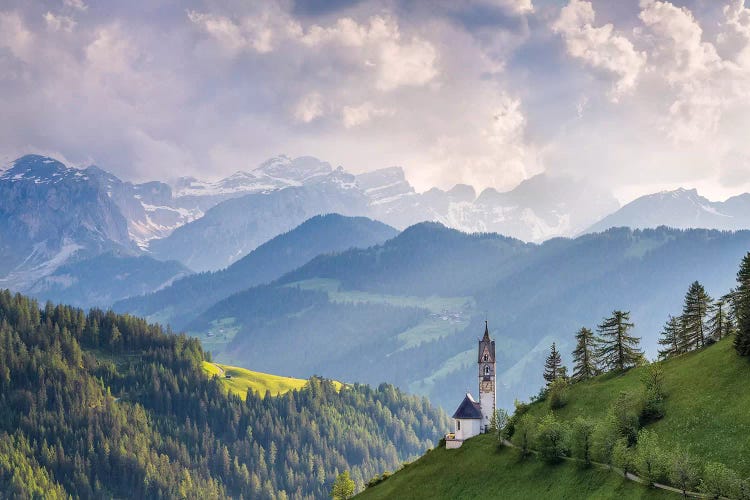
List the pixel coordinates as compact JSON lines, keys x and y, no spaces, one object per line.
{"x":104,"y":405}
{"x":415,"y":300}
{"x":671,"y":427}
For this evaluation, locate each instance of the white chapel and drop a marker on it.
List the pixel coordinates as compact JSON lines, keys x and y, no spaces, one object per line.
{"x":473,"y":417}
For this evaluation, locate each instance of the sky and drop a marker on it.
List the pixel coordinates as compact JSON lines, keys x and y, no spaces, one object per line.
{"x":636,"y":96}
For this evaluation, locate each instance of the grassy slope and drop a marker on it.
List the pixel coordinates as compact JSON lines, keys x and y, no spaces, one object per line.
{"x":479,"y":470}
{"x":707,"y":413}
{"x":707,"y":407}
{"x":243,"y":379}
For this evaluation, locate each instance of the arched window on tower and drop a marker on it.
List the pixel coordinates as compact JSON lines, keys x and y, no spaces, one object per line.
{"x":486,"y":370}
{"x":485,"y":357}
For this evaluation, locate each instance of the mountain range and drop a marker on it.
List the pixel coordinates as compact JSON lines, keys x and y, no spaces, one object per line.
{"x":187,"y":298}
{"x":408,"y":311}
{"x":681,"y":208}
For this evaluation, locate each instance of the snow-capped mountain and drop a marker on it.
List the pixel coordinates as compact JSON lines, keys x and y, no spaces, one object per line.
{"x":276,"y":173}
{"x":539,"y":208}
{"x":209,"y":225}
{"x":48,"y":213}
{"x":235,"y":227}
{"x":681,"y":208}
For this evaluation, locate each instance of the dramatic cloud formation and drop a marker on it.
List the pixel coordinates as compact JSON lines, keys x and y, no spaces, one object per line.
{"x":637,"y":96}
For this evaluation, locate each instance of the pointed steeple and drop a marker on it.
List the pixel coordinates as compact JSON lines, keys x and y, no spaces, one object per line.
{"x":486,"y":332}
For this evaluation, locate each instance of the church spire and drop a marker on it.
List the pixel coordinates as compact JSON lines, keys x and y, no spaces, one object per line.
{"x":486,"y":331}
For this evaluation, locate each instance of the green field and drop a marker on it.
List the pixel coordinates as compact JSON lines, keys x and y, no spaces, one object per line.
{"x":241,"y":380}
{"x":479,"y":470}
{"x":707,"y":406}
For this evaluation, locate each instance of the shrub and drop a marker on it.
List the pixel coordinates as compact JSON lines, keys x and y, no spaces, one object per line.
{"x":605,"y":437}
{"x":524,"y":434}
{"x":719,"y":481}
{"x":583,"y":439}
{"x":683,"y":471}
{"x":521,"y":409}
{"x":551,"y":438}
{"x":557,"y":393}
{"x":623,"y":456}
{"x":626,"y":412}
{"x":650,"y":460}
{"x":652,"y":406}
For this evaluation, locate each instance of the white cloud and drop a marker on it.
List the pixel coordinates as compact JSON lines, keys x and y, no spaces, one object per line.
{"x":251,"y":33}
{"x":309,"y":108}
{"x":59,"y":22}
{"x":76,"y":4}
{"x":15,"y":36}
{"x":399,"y":61}
{"x":599,"y":47}
{"x":354,"y":116}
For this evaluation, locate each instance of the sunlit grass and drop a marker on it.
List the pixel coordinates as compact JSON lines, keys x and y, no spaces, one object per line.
{"x":239,"y":380}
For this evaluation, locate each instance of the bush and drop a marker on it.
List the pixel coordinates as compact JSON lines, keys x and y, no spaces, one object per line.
{"x":605,"y":437}
{"x":521,"y":409}
{"x":683,"y":471}
{"x":557,"y":393}
{"x":551,"y":438}
{"x":719,"y":481}
{"x":524,"y":434}
{"x":649,"y":460}
{"x":626,"y":412}
{"x":583,"y":439}
{"x":623,"y":456}
{"x":652,"y":406}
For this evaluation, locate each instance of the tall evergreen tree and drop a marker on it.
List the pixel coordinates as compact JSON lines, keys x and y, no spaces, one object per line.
{"x":553,"y":365}
{"x":671,"y":338}
{"x":694,"y":311}
{"x":584,"y":355}
{"x":718,"y":322}
{"x":742,"y":308}
{"x":618,"y":349}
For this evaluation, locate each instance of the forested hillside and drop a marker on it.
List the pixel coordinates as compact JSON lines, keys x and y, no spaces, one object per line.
{"x":187,"y":298}
{"x":408,"y":311}
{"x":101,"y":404}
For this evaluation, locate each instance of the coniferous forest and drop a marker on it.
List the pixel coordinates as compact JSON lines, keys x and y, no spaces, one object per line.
{"x":100,"y":405}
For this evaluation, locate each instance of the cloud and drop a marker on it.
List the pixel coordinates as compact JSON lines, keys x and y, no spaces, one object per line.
{"x":599,"y":47}
{"x":15,"y":36}
{"x":309,"y":108}
{"x":59,"y":23}
{"x":486,"y":92}
{"x":252,"y":33}
{"x":76,"y":4}
{"x":354,"y":116}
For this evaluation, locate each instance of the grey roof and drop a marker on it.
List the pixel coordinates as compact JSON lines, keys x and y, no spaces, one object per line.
{"x":468,"y":408}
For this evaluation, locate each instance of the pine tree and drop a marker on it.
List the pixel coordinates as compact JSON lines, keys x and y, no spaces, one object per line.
{"x":694,"y":311}
{"x":584,"y":355}
{"x":618,"y":350}
{"x":671,"y":338}
{"x":742,"y":308}
{"x":553,"y":365}
{"x":718,"y":323}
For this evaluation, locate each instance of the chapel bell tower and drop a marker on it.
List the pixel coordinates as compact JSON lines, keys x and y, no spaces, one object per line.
{"x":487,"y":387}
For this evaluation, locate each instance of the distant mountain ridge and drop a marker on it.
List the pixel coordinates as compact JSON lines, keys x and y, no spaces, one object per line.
{"x":409,"y":305}
{"x":187,"y":298}
{"x":682,"y":209}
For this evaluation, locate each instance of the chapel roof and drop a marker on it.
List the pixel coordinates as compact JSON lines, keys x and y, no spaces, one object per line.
{"x":468,"y":408}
